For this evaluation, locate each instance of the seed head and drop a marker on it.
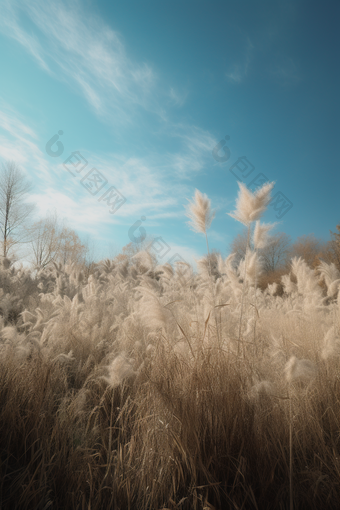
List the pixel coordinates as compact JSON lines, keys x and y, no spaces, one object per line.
{"x":250,"y":206}
{"x":200,"y":213}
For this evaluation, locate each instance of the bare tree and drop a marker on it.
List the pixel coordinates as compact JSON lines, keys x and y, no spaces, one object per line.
{"x":71,"y":249}
{"x":46,"y":241}
{"x":131,"y":249}
{"x":53,"y":242}
{"x":332,"y":252}
{"x":310,"y":248}
{"x":239,"y":246}
{"x":14,"y":212}
{"x":274,"y":255}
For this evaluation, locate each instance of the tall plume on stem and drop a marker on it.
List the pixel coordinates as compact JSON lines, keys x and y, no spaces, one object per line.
{"x":200,"y":213}
{"x":260,"y":240}
{"x":250,"y":207}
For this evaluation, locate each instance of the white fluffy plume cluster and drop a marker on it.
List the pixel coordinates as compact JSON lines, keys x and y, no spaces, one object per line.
{"x":250,"y":206}
{"x":119,"y":370}
{"x":299,"y":370}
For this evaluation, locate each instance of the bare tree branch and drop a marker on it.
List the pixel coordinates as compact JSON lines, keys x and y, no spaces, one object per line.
{"x":54,"y":242}
{"x":14,"y":212}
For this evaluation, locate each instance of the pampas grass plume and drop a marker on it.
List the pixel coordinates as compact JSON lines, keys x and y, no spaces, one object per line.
{"x":65,"y":358}
{"x":119,"y":370}
{"x":253,"y":270}
{"x":299,"y":370}
{"x":200,"y":213}
{"x":250,"y":206}
{"x":331,"y":275}
{"x":331,"y":344}
{"x":144,"y":258}
{"x":261,"y":389}
{"x":151,"y":312}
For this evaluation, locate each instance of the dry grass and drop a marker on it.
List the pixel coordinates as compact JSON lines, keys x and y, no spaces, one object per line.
{"x":126,"y":391}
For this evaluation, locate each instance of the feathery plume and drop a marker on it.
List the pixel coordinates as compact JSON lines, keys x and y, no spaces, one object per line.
{"x":261,"y":389}
{"x":207,"y":266}
{"x":299,"y":370}
{"x":200,"y":213}
{"x":144,"y":258}
{"x":166,"y":270}
{"x":252,"y":270}
{"x":151,"y":312}
{"x":65,"y":358}
{"x":331,"y":344}
{"x":272,"y":288}
{"x":183,"y":272}
{"x":119,"y":369}
{"x":250,"y":206}
{"x":123,"y":269}
{"x":331,"y":275}
{"x":288,"y":285}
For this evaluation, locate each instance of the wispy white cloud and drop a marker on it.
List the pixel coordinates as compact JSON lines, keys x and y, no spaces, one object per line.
{"x":82,"y":212}
{"x":10,"y":26}
{"x":88,"y":55}
{"x":91,"y":57}
{"x":18,"y":141}
{"x":194,"y":152}
{"x":11,"y":122}
{"x":177,"y":98}
{"x":84,"y":52}
{"x":155,"y":186}
{"x":239,"y":70}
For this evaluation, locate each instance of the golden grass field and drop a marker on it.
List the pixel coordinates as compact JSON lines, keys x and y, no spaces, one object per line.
{"x":143,"y":386}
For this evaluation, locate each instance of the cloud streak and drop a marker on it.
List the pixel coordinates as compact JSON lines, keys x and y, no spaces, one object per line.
{"x":85,"y":53}
{"x":155,"y":186}
{"x":239,"y":71}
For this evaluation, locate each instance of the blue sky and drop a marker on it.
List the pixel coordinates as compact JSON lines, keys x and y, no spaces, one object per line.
{"x":144,"y":91}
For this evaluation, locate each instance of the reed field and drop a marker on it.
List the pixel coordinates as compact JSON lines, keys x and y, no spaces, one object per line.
{"x":146,"y":386}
